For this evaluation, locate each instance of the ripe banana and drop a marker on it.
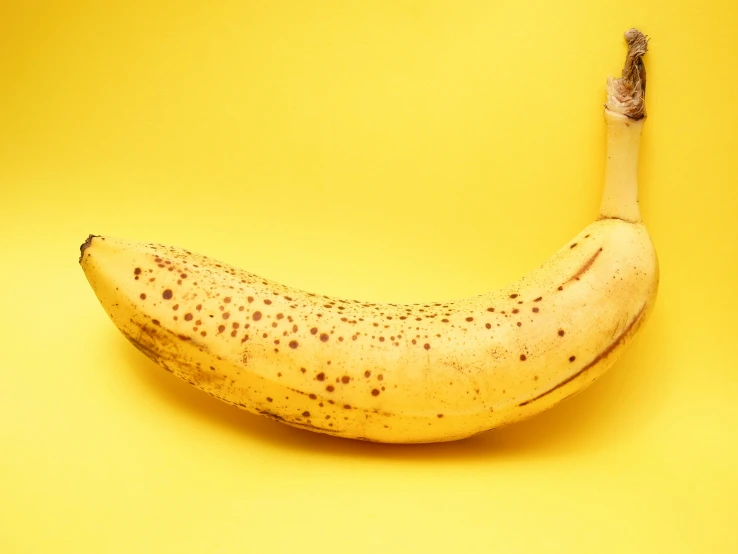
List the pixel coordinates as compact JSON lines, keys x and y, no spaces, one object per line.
{"x":413,"y":373}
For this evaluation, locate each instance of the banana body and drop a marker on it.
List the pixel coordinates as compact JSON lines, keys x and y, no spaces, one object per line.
{"x":383,"y":372}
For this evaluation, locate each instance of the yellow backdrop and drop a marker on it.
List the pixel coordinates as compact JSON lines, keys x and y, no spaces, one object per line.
{"x":392,"y":150}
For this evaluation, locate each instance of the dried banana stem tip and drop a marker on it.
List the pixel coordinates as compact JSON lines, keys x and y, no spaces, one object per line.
{"x":627,"y":95}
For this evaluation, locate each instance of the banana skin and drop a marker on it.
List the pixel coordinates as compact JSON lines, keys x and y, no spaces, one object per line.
{"x":383,"y":372}
{"x":397,"y":373}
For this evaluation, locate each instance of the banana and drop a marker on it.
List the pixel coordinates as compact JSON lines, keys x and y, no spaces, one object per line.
{"x":411,"y":373}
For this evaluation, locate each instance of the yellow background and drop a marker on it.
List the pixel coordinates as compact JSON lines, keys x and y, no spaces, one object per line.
{"x":390,"y":150}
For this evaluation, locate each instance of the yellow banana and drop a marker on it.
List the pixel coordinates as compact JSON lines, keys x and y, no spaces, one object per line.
{"x":400,"y":373}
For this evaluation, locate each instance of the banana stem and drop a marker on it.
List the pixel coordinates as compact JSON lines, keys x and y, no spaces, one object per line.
{"x":625,"y":113}
{"x":620,"y":194}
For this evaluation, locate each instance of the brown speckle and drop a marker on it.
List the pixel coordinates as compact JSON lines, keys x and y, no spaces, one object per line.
{"x":198,"y":307}
{"x":293,"y":344}
{"x":572,"y":358}
{"x":155,"y":322}
{"x":535,"y":310}
{"x":470,"y":319}
{"x":515,"y":311}
{"x":523,"y":357}
{"x":320,"y":376}
{"x":561,"y":332}
{"x":323,"y":337}
{"x":256,"y":316}
{"x":345,"y":379}
{"x":137,"y":271}
{"x":560,"y":287}
{"x":312,"y":397}
{"x":513,"y":296}
{"x":314,"y":331}
{"x":488,"y":325}
{"x":270,"y":399}
{"x":305,"y":414}
{"x":143,"y":296}
{"x":167,"y":294}
{"x":573,"y":245}
{"x":380,"y":377}
{"x":221,"y":328}
{"x":440,"y":416}
{"x":375,"y":392}
{"x":226,"y":315}
{"x":538,"y":299}
{"x":426,"y":346}
{"x":227,"y":299}
{"x":250,"y":299}
{"x":330,"y":388}
{"x":347,"y":406}
{"x":267,"y":301}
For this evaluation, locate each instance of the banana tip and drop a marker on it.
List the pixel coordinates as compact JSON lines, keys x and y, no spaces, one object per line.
{"x":85,"y":245}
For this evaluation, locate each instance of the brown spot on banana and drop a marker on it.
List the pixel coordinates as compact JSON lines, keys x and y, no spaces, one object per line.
{"x":584,"y":267}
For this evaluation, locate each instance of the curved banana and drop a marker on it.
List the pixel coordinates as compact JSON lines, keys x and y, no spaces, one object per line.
{"x":400,"y":373}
